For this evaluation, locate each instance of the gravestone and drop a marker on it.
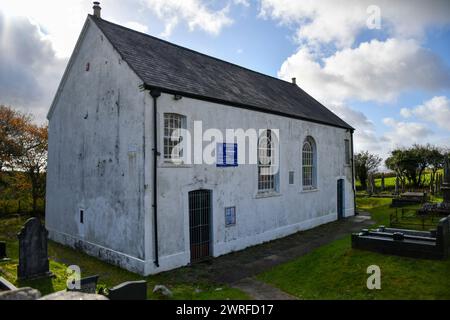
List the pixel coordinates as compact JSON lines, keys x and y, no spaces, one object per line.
{"x":33,"y":258}
{"x":87,"y":285}
{"x":445,"y":188}
{"x":3,"y":256}
{"x":131,"y":290}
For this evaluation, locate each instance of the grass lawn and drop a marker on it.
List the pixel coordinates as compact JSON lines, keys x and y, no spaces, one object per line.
{"x":61,"y":257}
{"x":336,"y":271}
{"x":389,"y":182}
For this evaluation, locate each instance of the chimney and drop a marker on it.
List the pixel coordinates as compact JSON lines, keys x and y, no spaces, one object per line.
{"x":97,"y":9}
{"x":294,"y":80}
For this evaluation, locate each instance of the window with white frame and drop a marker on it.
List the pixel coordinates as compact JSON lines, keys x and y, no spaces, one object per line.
{"x":173,"y":123}
{"x":309,"y":164}
{"x":266,"y":161}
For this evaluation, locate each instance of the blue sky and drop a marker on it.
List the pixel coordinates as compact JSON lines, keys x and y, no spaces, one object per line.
{"x":391,"y":82}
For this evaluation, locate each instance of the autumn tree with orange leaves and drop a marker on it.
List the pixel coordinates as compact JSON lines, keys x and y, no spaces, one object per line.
{"x":23,"y":147}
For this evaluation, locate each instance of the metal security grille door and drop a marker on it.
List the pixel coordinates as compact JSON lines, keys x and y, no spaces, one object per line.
{"x":340,"y":199}
{"x":199,"y":224}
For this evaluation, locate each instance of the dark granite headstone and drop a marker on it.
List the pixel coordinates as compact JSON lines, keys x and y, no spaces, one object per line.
{"x":131,"y":290}
{"x":446,"y":183}
{"x":398,"y":236}
{"x":87,"y":285}
{"x":33,"y":258}
{"x":3,"y":255}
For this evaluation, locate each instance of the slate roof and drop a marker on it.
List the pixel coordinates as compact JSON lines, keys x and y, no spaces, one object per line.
{"x":175,"y":69}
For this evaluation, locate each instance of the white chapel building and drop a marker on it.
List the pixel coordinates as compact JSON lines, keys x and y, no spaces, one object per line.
{"x":124,"y":182}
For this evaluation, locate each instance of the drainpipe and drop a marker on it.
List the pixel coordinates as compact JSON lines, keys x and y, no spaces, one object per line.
{"x":353,"y":173}
{"x":155,"y":94}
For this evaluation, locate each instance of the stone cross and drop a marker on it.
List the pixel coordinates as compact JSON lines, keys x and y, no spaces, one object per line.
{"x":33,"y":258}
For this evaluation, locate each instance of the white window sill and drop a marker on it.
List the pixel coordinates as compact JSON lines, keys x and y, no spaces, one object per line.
{"x":168,"y":164}
{"x":309,"y":190}
{"x":267,"y":194}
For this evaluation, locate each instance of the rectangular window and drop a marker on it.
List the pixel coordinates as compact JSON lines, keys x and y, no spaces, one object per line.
{"x":266,"y":152}
{"x":81,"y":216}
{"x":230,"y":216}
{"x":347,"y":151}
{"x":291,"y":177}
{"x":173,"y":123}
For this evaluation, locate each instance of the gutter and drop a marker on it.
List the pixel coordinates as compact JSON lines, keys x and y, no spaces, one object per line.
{"x":243,"y":106}
{"x":353,"y":173}
{"x":155,"y":95}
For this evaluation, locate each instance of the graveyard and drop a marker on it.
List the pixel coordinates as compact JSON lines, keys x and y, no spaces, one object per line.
{"x":61,"y":257}
{"x":336,"y":271}
{"x":333,"y":271}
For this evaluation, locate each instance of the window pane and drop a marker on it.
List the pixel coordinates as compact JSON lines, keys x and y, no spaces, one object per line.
{"x":172,"y":137}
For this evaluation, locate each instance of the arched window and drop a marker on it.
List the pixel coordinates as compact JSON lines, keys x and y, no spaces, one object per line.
{"x":309,"y":166}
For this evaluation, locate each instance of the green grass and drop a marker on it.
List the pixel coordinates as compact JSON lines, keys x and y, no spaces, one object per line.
{"x":389,"y":182}
{"x":182,"y":286}
{"x":336,"y":271}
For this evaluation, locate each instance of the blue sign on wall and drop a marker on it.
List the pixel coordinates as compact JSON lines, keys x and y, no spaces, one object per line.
{"x":226,"y":155}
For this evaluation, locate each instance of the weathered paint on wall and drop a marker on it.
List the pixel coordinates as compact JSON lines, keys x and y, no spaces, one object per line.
{"x":100,"y":160}
{"x":96,"y":156}
{"x":259,"y":218}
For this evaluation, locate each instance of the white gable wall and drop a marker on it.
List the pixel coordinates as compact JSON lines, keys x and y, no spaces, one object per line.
{"x":96,"y":155}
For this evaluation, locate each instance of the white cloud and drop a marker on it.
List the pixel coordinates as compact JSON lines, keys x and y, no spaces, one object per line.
{"x":365,"y":134}
{"x":60,"y":23}
{"x":405,"y":133}
{"x":193,"y":12}
{"x":370,"y":71}
{"x":435,"y":110}
{"x":340,"y":22}
{"x":29,"y":68}
{"x":376,"y":70}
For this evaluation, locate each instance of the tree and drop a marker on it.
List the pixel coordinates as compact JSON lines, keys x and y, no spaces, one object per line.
{"x":32,"y":159}
{"x":395,"y":163}
{"x":365,"y":164}
{"x":12,"y":126}
{"x":436,"y":158}
{"x":411,"y":163}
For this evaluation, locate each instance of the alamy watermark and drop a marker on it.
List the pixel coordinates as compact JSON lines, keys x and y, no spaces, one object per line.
{"x":374,"y":280}
{"x":374,"y":19}
{"x":254,"y":146}
{"x":73,"y":281}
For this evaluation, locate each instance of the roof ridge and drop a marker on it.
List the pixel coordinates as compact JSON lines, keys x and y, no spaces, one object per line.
{"x":188,"y":49}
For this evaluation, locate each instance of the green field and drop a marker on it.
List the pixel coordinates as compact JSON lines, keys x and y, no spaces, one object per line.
{"x":389,"y":182}
{"x":336,"y":271}
{"x":61,"y":257}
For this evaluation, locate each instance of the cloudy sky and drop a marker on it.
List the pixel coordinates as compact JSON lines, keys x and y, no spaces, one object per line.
{"x":388,"y":75}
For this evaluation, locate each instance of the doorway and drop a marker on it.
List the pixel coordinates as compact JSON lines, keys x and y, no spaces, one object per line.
{"x":340,"y":199}
{"x":200,"y":224}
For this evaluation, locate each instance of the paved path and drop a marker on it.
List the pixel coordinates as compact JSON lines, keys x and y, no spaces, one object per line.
{"x":239,"y":268}
{"x":259,"y":290}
